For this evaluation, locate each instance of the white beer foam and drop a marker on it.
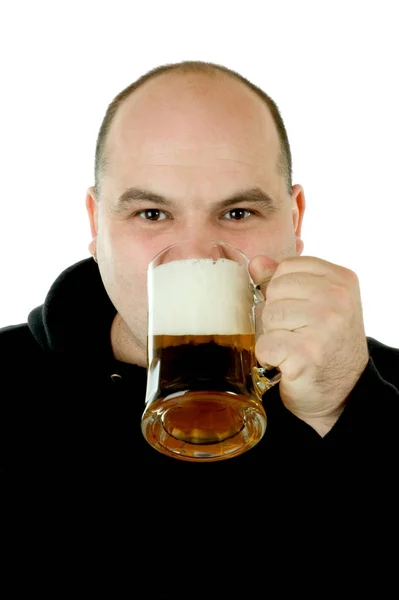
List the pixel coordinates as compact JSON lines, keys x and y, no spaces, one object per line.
{"x":200,"y":297}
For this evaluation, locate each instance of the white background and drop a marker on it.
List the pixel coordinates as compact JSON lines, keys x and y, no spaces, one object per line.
{"x":332,"y":68}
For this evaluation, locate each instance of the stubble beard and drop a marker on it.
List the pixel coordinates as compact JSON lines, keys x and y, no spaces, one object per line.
{"x":127,"y":346}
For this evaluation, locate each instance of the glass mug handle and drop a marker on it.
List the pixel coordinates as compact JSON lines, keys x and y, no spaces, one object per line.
{"x":261,"y":379}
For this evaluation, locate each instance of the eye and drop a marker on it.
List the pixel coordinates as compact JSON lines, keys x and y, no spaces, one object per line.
{"x":237,"y":214}
{"x":152,"y":214}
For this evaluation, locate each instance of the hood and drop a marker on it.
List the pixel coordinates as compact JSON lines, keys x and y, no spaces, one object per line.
{"x":77,"y":313}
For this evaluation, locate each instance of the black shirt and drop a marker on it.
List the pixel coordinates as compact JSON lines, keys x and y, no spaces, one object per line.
{"x":72,"y":446}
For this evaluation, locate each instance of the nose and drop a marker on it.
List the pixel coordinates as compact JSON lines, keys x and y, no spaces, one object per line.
{"x":193,"y":248}
{"x":199,"y":240}
{"x":214,"y":249}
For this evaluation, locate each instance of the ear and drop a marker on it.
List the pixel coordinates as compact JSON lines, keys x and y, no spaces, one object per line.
{"x":298,"y":209}
{"x":92,"y":211}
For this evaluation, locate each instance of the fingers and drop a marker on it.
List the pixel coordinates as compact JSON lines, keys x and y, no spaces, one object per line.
{"x":311,"y":264}
{"x":287,"y":314}
{"x":283,"y":349}
{"x":300,"y":286}
{"x":263,"y":269}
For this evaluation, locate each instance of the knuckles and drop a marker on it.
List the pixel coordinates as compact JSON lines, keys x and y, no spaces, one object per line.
{"x":268,"y":349}
{"x":273,"y":314}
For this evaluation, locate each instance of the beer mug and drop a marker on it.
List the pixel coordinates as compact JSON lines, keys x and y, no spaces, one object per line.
{"x":204,"y":386}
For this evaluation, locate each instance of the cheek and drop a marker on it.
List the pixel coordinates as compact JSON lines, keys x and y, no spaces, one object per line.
{"x":276,"y":241}
{"x":124,"y":256}
{"x":122,"y":245}
{"x":122,"y":264}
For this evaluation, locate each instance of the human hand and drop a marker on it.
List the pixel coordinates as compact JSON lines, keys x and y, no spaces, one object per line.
{"x":313,"y":331}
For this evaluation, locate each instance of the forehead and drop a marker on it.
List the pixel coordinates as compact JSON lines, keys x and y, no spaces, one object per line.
{"x":188,"y":117}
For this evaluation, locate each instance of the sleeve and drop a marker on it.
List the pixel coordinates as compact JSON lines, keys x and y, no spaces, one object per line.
{"x":369,"y":422}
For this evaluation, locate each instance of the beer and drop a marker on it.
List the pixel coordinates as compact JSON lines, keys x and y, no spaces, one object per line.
{"x":201,"y":402}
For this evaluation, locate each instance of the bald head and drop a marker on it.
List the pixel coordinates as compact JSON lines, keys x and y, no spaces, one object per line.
{"x":191,"y":106}
{"x":188,"y":152}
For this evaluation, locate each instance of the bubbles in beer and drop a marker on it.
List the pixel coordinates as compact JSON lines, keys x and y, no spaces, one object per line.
{"x":200,"y":297}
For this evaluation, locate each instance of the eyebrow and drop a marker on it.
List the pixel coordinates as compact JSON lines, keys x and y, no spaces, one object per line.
{"x":254,"y":196}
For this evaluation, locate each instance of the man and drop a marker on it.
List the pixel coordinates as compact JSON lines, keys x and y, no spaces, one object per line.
{"x":195,"y":151}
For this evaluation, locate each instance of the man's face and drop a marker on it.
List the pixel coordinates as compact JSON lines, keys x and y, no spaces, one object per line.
{"x":200,"y":149}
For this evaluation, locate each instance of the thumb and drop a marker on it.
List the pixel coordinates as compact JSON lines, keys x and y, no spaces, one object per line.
{"x":262,"y":268}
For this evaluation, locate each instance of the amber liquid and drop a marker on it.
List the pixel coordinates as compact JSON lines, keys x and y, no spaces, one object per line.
{"x":201,"y":400}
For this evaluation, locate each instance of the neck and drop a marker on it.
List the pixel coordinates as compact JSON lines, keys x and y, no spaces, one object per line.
{"x":125,"y":346}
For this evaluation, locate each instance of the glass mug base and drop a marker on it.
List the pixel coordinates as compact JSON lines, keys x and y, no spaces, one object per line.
{"x":204,"y":425}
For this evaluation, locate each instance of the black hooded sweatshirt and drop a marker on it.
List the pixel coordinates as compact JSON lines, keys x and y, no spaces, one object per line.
{"x":70,"y":420}
{"x":63,"y":379}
